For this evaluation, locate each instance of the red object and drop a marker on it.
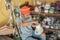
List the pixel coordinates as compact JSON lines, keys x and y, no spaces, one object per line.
{"x":25,"y":10}
{"x":32,"y":8}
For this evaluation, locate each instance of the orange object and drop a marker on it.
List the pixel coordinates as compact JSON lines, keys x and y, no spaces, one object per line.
{"x":25,"y":10}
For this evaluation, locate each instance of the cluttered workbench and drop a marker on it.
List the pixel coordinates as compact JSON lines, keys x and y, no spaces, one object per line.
{"x":46,"y":14}
{"x":49,"y":15}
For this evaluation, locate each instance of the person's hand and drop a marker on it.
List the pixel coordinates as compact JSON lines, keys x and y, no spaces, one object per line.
{"x":43,"y":35}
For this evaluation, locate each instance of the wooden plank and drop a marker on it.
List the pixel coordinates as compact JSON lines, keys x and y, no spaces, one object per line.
{"x":46,"y":14}
{"x":52,"y":30}
{"x":5,"y":38}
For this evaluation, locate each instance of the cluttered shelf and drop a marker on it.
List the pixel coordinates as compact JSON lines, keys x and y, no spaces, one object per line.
{"x":49,"y":15}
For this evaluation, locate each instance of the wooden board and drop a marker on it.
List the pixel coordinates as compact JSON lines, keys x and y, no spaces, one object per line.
{"x":47,"y":14}
{"x":5,"y":38}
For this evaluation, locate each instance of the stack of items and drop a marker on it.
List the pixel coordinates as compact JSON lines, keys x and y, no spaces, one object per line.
{"x":47,"y":7}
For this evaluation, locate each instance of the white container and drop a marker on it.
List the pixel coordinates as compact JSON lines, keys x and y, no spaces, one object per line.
{"x":38,"y":30}
{"x":36,"y":9}
{"x":47,"y":6}
{"x":46,"y":11}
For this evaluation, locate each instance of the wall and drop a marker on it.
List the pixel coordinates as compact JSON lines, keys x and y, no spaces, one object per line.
{"x":30,"y":1}
{"x":3,"y":13}
{"x":20,"y":2}
{"x":47,"y":1}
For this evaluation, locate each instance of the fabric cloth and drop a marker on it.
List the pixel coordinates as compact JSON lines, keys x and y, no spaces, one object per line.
{"x":39,"y":37}
{"x":25,"y":31}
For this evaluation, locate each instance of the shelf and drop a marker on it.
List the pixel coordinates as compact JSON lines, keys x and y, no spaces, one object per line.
{"x":52,"y":30}
{"x":46,"y":14}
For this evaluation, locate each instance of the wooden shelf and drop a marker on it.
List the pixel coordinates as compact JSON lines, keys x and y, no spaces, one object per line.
{"x":52,"y":30}
{"x":46,"y":14}
{"x":53,"y":15}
